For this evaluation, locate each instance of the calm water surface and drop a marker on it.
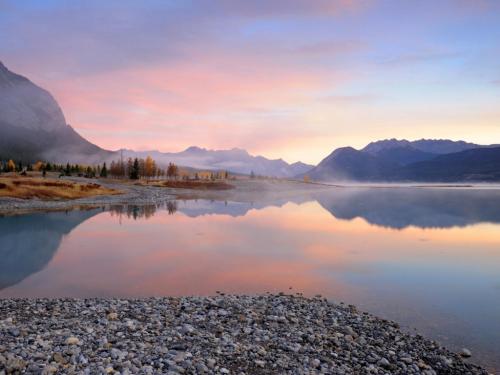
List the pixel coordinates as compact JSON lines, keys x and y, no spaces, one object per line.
{"x":427,"y":258}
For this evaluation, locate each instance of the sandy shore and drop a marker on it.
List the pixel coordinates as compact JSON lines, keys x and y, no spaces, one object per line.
{"x":271,"y":334}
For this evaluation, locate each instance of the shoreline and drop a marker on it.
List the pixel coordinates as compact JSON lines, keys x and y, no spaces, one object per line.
{"x":134,"y":194}
{"x":222,"y":334}
{"x":245,"y":191}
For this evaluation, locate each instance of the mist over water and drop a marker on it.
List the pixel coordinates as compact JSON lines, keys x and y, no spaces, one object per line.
{"x":427,"y":258}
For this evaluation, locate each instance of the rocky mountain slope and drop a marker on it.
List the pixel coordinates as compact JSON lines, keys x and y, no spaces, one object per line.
{"x":33,"y":126}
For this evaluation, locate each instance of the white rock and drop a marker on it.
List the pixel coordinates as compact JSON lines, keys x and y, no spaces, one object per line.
{"x":112,"y":316}
{"x":72,"y":341}
{"x":259,"y":363}
{"x":466,"y":353}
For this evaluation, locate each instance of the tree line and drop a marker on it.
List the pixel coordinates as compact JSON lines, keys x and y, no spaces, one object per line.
{"x":67,"y":169}
{"x":140,"y":168}
{"x":133,"y":169}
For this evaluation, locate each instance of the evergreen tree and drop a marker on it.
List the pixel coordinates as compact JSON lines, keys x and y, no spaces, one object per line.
{"x":89,"y":173}
{"x":67,"y":171}
{"x":104,"y":171}
{"x":134,"y":173}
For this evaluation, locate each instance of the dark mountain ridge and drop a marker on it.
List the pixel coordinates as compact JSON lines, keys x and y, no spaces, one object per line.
{"x":429,"y":146}
{"x":347,"y":163}
{"x":478,"y":164}
{"x":404,"y":161}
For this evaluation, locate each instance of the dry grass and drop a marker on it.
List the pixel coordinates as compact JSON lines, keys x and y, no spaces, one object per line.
{"x":49,"y":189}
{"x":190,"y":184}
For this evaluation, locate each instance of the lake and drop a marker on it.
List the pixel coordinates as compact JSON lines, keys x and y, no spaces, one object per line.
{"x":428,"y":258}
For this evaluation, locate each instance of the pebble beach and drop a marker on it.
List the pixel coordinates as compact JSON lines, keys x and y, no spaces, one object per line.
{"x":223,"y":334}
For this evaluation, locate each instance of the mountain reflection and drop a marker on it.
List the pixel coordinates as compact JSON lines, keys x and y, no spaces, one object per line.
{"x":396,"y":208}
{"x":29,"y":242}
{"x":420,"y":207}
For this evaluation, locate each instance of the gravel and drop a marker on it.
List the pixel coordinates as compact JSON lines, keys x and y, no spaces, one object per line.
{"x":223,"y":334}
{"x":132,"y":194}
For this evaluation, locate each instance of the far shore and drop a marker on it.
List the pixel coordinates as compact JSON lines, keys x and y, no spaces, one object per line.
{"x":144,"y":192}
{"x":88,"y":193}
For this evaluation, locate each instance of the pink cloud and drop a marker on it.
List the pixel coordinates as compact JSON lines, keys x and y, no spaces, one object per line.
{"x":216,"y":99}
{"x":283,"y":78}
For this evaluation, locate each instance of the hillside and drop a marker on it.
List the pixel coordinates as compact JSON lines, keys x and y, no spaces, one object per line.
{"x":479,"y":164}
{"x":402,"y":161}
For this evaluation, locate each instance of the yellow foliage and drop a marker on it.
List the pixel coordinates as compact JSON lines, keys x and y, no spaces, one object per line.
{"x":38,"y":166}
{"x":49,"y":189}
{"x":149,"y":167}
{"x":11,"y":166}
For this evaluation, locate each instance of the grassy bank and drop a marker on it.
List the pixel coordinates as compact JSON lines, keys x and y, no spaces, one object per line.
{"x":49,"y":189}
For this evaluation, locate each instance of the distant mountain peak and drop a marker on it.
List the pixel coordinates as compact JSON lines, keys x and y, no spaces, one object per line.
{"x":239,"y":151}
{"x":443,"y":146}
{"x":344,"y":150}
{"x":377,"y":146}
{"x":195,"y":149}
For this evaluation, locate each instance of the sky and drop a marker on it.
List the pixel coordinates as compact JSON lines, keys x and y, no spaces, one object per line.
{"x":291,"y":79}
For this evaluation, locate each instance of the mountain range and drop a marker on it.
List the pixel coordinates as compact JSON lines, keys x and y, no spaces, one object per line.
{"x":425,"y":160}
{"x":235,"y":160}
{"x":33,"y":127}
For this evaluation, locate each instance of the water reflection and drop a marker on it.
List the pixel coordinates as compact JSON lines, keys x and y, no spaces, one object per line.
{"x":438,"y":271}
{"x":424,"y":208}
{"x":141,"y":212}
{"x":28,"y":242}
{"x":396,"y":208}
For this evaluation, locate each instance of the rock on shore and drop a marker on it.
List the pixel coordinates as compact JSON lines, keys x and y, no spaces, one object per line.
{"x":271,"y":334}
